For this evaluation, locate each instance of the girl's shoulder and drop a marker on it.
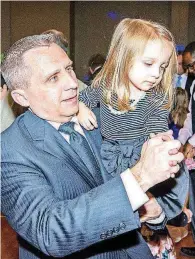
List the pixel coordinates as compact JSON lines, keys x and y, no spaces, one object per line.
{"x":157,"y":95}
{"x":159,"y":99}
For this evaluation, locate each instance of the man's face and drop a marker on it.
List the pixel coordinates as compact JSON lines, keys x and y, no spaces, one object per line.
{"x":189,"y":63}
{"x":53,"y":90}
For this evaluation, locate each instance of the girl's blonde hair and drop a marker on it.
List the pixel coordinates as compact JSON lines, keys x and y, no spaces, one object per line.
{"x":129,"y":41}
{"x":180,"y":111}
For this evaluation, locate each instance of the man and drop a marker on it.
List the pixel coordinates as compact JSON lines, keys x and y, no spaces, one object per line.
{"x":189,"y":65}
{"x":180,"y":78}
{"x":55,"y":194}
{"x":95,"y":64}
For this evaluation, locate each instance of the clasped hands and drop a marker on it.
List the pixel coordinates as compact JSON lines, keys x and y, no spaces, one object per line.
{"x":159,"y":160}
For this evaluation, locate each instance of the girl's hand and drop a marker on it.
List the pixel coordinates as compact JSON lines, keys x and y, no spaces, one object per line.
{"x":86,"y":117}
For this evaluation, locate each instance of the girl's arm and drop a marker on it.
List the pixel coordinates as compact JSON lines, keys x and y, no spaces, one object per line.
{"x":86,"y":117}
{"x":158,"y":119}
{"x":89,"y":98}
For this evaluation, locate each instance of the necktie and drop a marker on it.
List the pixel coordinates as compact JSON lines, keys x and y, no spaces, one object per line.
{"x":178,"y":83}
{"x":81,"y":147}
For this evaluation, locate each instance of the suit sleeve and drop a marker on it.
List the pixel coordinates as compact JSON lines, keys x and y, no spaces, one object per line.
{"x":60,"y":227}
{"x":158,"y":118}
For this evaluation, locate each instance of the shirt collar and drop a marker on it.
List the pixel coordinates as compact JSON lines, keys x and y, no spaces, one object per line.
{"x":56,"y":125}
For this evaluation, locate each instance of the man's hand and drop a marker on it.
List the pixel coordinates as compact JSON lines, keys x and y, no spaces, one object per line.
{"x":189,"y":151}
{"x":159,"y":161}
{"x":86,"y":117}
{"x":150,"y":210}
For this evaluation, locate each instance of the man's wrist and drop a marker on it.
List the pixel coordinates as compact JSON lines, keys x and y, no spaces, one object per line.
{"x":135,"y":193}
{"x":139,"y":176}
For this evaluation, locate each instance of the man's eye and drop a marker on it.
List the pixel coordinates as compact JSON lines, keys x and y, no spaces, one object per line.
{"x":69,"y":68}
{"x":53,"y":79}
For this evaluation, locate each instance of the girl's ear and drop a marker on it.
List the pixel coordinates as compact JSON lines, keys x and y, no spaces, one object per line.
{"x":20,"y":97}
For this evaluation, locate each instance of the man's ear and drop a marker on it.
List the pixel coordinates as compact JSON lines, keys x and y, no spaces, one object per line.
{"x":20,"y":97}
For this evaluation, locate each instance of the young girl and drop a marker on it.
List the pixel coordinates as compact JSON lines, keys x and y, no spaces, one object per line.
{"x":134,"y":90}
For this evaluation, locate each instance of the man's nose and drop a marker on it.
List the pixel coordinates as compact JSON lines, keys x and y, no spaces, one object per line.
{"x":72,"y":81}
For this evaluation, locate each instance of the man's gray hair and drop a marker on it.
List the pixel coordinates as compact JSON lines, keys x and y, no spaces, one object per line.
{"x":13,"y":68}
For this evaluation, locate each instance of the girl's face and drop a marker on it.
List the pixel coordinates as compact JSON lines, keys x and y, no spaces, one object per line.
{"x":148,"y":69}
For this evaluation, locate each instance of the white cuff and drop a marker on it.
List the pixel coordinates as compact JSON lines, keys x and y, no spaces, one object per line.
{"x":136,"y":195}
{"x":157,"y":220}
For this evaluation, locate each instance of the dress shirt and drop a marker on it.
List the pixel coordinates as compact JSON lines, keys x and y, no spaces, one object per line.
{"x":183,"y":80}
{"x":186,"y":132}
{"x":136,"y":195}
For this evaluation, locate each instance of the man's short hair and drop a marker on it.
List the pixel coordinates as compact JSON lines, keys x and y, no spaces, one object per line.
{"x":60,"y":38}
{"x":14,"y":70}
{"x":190,"y":47}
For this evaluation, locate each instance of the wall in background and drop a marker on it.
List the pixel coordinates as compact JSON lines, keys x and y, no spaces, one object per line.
{"x":95,"y":22}
{"x":22,"y":18}
{"x":191,"y":22}
{"x":89,"y":25}
{"x":5,"y":26}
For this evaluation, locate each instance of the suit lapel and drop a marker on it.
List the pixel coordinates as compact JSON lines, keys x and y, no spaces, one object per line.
{"x":51,"y":141}
{"x":90,"y":136}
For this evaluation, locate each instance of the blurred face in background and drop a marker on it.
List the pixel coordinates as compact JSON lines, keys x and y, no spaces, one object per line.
{"x":189,"y":63}
{"x":180,"y":65}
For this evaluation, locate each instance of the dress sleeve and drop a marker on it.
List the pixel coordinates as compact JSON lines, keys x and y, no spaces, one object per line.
{"x":90,"y":96}
{"x":158,"y":118}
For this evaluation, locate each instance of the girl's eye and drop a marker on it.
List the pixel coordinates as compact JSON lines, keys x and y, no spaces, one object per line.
{"x":148,"y":64}
{"x":69,"y":68}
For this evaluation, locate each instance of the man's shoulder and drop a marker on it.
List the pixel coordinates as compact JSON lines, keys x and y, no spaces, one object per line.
{"x":17,"y":131}
{"x":12,"y":132}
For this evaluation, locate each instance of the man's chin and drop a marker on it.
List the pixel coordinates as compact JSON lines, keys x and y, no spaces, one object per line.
{"x":70,"y":112}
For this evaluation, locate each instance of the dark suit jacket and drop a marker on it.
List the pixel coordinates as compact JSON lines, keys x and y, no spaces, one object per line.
{"x":189,"y":81}
{"x":53,"y":202}
{"x":56,"y":205}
